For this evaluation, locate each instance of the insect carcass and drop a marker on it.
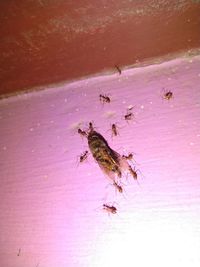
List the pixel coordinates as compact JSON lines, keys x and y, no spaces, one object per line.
{"x":108,"y":159}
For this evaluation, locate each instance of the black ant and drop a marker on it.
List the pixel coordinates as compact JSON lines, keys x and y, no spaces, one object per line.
{"x":110,"y":209}
{"x":82,"y":133}
{"x":104,"y":98}
{"x":129,"y":157}
{"x":118,"y":69}
{"x":19,"y":252}
{"x":118,"y":187}
{"x":133,"y":172}
{"x":128,"y":116}
{"x":168,"y":95}
{"x":83,"y":156}
{"x":114,"y":129}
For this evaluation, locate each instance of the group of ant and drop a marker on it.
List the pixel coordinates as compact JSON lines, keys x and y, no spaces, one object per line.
{"x":110,"y":208}
{"x":128,"y":116}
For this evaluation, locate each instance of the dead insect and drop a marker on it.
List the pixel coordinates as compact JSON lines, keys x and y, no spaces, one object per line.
{"x":168,"y":95}
{"x":133,"y":172}
{"x":106,"y":157}
{"x":118,"y":187}
{"x":82,"y":133}
{"x":104,"y":99}
{"x":83,"y":156}
{"x":118,"y":69}
{"x":110,"y":209}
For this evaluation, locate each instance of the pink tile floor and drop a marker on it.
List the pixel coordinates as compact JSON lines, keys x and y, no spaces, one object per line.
{"x":50,"y":204}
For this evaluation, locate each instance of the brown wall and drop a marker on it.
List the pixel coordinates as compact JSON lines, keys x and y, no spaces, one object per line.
{"x":48,"y":41}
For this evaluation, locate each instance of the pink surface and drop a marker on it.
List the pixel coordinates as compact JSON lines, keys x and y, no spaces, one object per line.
{"x":51,"y":205}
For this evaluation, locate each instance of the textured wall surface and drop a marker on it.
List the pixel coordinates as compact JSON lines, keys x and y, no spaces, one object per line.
{"x":51,"y":206}
{"x":48,"y":41}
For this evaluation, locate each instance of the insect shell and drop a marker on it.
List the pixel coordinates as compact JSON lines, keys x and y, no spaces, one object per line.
{"x":110,"y":209}
{"x":104,"y":98}
{"x":83,"y":156}
{"x":107,"y":158}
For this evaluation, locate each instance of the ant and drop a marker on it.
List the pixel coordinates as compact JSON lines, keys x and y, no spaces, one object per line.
{"x":168,"y":95}
{"x":83,"y":156}
{"x":19,"y":252}
{"x":104,"y":98}
{"x":133,"y":172}
{"x":118,"y":69}
{"x":128,"y":116}
{"x":129,"y":157}
{"x":82,"y":133}
{"x":110,"y":209}
{"x":114,"y":129}
{"x":118,"y":187}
